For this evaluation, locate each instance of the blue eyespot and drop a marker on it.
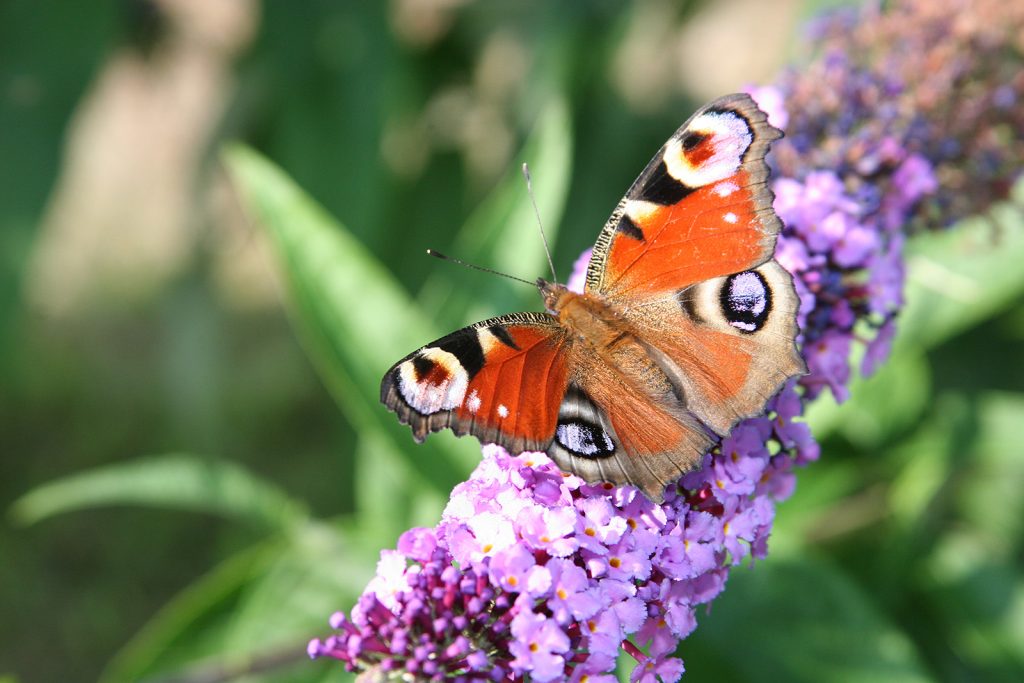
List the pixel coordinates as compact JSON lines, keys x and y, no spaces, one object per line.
{"x":584,"y":438}
{"x":746,"y":301}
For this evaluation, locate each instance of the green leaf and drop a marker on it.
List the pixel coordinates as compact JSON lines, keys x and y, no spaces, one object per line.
{"x":173,"y":481}
{"x":383,"y":515}
{"x":880,"y":406}
{"x":979,"y":597}
{"x":961,"y":277}
{"x":789,"y":621}
{"x":189,"y":617}
{"x":298,"y":592}
{"x":995,"y":472}
{"x":353,"y":316}
{"x":253,"y":613}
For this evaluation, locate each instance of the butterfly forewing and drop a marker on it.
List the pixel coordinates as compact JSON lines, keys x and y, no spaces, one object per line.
{"x":701,"y":208}
{"x":500,"y":380}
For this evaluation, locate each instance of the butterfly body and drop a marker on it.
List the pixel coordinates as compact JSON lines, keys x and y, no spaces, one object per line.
{"x":686,"y":325}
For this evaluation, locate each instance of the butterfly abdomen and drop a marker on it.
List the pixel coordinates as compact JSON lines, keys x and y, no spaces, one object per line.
{"x":598,"y":330}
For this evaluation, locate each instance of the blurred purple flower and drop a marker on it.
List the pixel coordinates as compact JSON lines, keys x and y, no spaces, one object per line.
{"x":535,"y":573}
{"x":538,"y":645}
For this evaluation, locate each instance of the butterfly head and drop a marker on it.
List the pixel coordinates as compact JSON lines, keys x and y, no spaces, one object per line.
{"x":553,"y":295}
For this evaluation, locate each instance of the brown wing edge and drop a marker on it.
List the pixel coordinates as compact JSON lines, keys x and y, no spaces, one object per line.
{"x":754,"y":162}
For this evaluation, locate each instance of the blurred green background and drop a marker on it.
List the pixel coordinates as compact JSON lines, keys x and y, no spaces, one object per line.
{"x":196,"y":471}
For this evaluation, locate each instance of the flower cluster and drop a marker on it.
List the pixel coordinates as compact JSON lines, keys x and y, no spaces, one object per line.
{"x":554,"y":574}
{"x":534,"y":572}
{"x":909,"y":118}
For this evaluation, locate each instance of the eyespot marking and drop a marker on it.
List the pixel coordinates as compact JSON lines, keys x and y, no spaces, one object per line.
{"x":432,"y":381}
{"x":692,"y":138}
{"x":584,"y":438}
{"x":746,"y":300}
{"x":717,"y":139}
{"x":473,"y":402}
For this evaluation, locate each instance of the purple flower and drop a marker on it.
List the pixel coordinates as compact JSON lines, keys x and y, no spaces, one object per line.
{"x":549,"y":529}
{"x":538,"y":644}
{"x":598,"y":525}
{"x":854,"y":245}
{"x":886,"y":273}
{"x":512,"y":569}
{"x":691,"y":547}
{"x":572,"y":595}
{"x":829,"y":364}
{"x":579,"y":272}
{"x":914,"y":179}
{"x":654,"y":669}
{"x":772,"y":102}
{"x":878,"y":349}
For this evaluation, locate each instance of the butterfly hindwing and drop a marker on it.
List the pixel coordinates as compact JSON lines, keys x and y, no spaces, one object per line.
{"x":726,"y":343}
{"x":701,"y":208}
{"x":610,"y":430}
{"x":500,"y":380}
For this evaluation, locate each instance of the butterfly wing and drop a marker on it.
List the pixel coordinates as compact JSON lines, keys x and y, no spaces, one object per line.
{"x":708,"y":321}
{"x":610,"y":429}
{"x":687,"y":258}
{"x":500,"y":380}
{"x":726,"y":343}
{"x":520,"y":381}
{"x":701,"y":209}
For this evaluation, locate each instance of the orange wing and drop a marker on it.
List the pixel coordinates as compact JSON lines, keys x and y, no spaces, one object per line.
{"x":501,"y":380}
{"x":701,"y":208}
{"x":609,"y":429}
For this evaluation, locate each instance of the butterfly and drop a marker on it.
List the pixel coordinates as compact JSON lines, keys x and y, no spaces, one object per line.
{"x":686,"y":325}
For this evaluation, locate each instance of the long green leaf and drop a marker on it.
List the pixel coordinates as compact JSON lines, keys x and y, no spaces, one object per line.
{"x":174,"y":481}
{"x":353,"y":316}
{"x":188,"y":615}
{"x":961,"y":277}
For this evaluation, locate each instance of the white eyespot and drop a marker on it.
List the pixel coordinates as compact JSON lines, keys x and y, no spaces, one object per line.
{"x":583,"y":438}
{"x":473,"y":402}
{"x":641,"y":212}
{"x":730,"y":217}
{"x":502,"y":410}
{"x":442,"y":388}
{"x":487,"y":339}
{"x":724,"y":189}
{"x":729,"y":136}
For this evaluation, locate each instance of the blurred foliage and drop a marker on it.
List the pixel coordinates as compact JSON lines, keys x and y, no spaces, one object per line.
{"x":899,"y":557}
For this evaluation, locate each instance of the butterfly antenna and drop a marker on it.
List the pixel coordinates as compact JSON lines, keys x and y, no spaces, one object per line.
{"x":437,"y":254}
{"x":536,"y":212}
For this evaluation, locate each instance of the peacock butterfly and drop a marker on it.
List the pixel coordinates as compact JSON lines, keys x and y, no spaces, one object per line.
{"x":686,"y":325}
